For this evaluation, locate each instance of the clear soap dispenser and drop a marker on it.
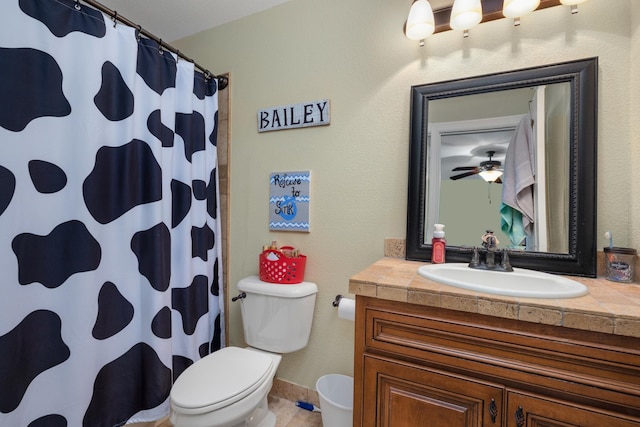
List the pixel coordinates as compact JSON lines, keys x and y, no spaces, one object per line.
{"x":438,"y":244}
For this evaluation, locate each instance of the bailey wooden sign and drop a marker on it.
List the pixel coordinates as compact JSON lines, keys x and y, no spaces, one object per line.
{"x":305,"y":114}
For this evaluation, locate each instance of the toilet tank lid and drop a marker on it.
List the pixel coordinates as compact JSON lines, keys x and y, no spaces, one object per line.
{"x":253,"y":284}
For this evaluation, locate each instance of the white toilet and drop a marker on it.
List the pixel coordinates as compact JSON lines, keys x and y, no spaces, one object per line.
{"x":229,"y":387}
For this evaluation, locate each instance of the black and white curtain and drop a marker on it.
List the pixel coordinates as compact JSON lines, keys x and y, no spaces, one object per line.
{"x":110,"y":262}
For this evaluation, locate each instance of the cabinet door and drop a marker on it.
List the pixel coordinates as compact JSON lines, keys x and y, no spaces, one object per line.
{"x":530,"y":410}
{"x":398,"y":394}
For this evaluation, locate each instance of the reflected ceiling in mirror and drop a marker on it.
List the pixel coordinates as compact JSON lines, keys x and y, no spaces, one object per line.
{"x":463,"y":127}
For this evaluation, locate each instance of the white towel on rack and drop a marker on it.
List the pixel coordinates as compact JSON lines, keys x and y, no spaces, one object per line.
{"x":519,"y":173}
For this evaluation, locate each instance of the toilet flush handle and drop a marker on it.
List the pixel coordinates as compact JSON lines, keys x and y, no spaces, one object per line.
{"x":240,"y":296}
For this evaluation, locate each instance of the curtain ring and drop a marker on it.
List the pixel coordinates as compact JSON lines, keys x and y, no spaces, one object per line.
{"x":77,"y":6}
{"x":177,"y":56}
{"x":115,"y":18}
{"x":207,"y":75}
{"x":160,"y":49}
{"x":139,"y":35}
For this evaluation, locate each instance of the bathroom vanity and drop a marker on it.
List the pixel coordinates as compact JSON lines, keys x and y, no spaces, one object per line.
{"x":431,"y":354}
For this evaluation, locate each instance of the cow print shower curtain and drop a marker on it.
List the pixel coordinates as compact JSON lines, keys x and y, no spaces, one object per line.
{"x":110,"y":262}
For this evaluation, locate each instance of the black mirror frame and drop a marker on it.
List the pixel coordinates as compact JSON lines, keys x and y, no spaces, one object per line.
{"x":583,"y":78}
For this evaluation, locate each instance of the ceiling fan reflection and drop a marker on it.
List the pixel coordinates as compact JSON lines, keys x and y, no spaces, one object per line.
{"x":490,"y":170}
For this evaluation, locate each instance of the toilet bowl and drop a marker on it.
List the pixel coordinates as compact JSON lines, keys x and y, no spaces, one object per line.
{"x":229,"y":387}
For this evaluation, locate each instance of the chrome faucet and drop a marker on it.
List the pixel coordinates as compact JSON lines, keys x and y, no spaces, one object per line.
{"x":485,"y":259}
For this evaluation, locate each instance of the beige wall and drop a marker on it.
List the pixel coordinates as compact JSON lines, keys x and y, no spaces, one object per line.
{"x":354,"y":53}
{"x":471,"y":195}
{"x":633,"y":174}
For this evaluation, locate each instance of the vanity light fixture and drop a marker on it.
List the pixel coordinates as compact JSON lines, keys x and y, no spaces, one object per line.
{"x":420,"y":23}
{"x":573,"y":3}
{"x":423,"y":21}
{"x":490,"y":175}
{"x":465,"y":15}
{"x":518,"y":8}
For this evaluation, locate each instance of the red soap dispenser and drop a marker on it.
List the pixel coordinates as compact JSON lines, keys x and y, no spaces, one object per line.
{"x":438,"y":244}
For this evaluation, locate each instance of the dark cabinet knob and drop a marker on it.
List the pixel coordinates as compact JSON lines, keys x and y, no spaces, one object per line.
{"x":493,"y":410}
{"x":519,"y":416}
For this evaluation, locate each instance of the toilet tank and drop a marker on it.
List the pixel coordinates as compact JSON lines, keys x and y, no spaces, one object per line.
{"x":275,"y":317}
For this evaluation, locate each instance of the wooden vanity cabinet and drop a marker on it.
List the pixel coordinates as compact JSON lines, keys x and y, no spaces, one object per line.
{"x":424,"y":366}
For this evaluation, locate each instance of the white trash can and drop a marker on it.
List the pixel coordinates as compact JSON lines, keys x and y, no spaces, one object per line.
{"x":336,"y":400}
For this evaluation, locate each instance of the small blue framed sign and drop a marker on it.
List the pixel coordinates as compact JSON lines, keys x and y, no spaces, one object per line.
{"x":289,"y":201}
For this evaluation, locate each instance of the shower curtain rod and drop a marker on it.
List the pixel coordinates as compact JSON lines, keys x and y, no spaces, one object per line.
{"x":223,"y":81}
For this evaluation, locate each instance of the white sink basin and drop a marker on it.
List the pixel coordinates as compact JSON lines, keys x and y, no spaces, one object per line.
{"x":518,"y":283}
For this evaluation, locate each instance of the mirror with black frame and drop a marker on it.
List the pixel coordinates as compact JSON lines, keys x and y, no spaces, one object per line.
{"x":514,"y":152}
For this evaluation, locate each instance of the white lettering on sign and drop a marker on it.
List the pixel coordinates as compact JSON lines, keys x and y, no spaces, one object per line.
{"x":307,"y":114}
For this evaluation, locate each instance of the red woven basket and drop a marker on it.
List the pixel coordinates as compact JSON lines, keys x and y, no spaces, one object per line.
{"x":284,"y":270}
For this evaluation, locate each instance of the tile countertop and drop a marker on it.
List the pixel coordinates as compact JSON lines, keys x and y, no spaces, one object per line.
{"x":609,"y":307}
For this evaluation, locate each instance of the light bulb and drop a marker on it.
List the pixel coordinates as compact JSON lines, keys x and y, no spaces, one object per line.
{"x":420,"y":23}
{"x":518,"y":8}
{"x":465,"y":14}
{"x":491,"y":175}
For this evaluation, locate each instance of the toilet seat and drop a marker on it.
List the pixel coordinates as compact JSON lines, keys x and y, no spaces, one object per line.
{"x":220,"y":379}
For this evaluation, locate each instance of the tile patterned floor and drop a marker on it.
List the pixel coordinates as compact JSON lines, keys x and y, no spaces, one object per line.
{"x":287,"y":415}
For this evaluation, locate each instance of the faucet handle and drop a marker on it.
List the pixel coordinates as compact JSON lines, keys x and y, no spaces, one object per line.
{"x":475,"y":258}
{"x":505,"y":261}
